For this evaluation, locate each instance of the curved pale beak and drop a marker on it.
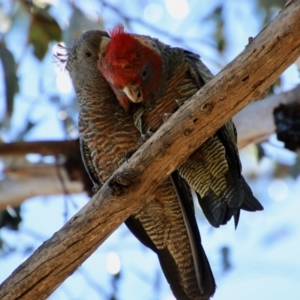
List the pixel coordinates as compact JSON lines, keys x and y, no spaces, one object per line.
{"x":134,"y":93}
{"x":103,"y":45}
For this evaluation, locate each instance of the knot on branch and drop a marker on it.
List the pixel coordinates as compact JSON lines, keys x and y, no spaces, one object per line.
{"x":207,"y":107}
{"x":120,"y":183}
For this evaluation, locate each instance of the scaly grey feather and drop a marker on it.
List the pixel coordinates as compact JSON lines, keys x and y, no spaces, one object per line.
{"x":166,"y":222}
{"x":214,"y":169}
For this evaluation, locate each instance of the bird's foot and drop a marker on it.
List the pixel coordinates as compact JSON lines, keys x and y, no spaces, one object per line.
{"x":120,"y":183}
{"x":166,"y":117}
{"x":179,"y":102}
{"x":147,"y":135}
{"x":95,"y":188}
{"x":138,"y":120}
{"x":128,"y":155}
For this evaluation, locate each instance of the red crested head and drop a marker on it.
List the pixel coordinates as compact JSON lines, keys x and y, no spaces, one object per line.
{"x":121,"y":49}
{"x":131,"y":65}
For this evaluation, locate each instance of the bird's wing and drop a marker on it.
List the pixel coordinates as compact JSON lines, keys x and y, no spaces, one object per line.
{"x":161,"y":224}
{"x":85,"y":153}
{"x":107,"y":136}
{"x":202,"y":266}
{"x":225,"y":191}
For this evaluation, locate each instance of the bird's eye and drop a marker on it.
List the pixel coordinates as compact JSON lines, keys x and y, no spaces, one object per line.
{"x":88,"y":54}
{"x":144,"y":73}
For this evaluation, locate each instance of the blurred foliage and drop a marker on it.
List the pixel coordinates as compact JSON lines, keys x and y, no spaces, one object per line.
{"x":269,"y":8}
{"x":287,"y":122}
{"x":11,"y":218}
{"x":43,"y":30}
{"x":260,"y":152}
{"x":272,"y":88}
{"x":10,"y":77}
{"x":217,"y":17}
{"x":226,"y":259}
{"x":78,"y":21}
{"x":294,"y":171}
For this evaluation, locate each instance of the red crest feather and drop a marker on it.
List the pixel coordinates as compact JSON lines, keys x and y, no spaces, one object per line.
{"x":121,"y":46}
{"x":125,"y":58}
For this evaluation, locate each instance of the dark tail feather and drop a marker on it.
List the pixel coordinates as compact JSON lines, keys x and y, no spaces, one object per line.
{"x":212,"y":213}
{"x":250,"y":203}
{"x":200,"y":283}
{"x":236,"y":218}
{"x":216,"y":208}
{"x":203,"y":271}
{"x":219,"y":209}
{"x":166,"y":260}
{"x":169,"y":265}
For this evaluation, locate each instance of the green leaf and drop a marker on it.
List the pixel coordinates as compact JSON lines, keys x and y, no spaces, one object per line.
{"x":218,"y":18}
{"x":295,"y":169}
{"x":10,"y":77}
{"x":272,"y":87}
{"x":268,"y":9}
{"x":43,"y":30}
{"x":260,"y":152}
{"x":268,"y":4}
{"x":219,"y":36}
{"x":281,"y":170}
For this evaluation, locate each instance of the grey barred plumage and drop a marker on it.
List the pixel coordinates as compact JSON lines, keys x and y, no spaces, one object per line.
{"x":164,"y":77}
{"x":166,"y":222}
{"x":214,"y":169}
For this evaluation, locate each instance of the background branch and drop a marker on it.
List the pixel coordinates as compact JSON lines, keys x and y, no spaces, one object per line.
{"x":40,"y":147}
{"x":255,"y":123}
{"x":23,"y":179}
{"x":33,"y":180}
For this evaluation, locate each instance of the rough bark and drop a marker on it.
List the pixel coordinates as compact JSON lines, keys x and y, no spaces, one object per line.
{"x":242,"y":81}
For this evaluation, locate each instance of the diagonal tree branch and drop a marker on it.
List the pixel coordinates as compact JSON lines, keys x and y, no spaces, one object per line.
{"x":242,"y":81}
{"x":254,"y":124}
